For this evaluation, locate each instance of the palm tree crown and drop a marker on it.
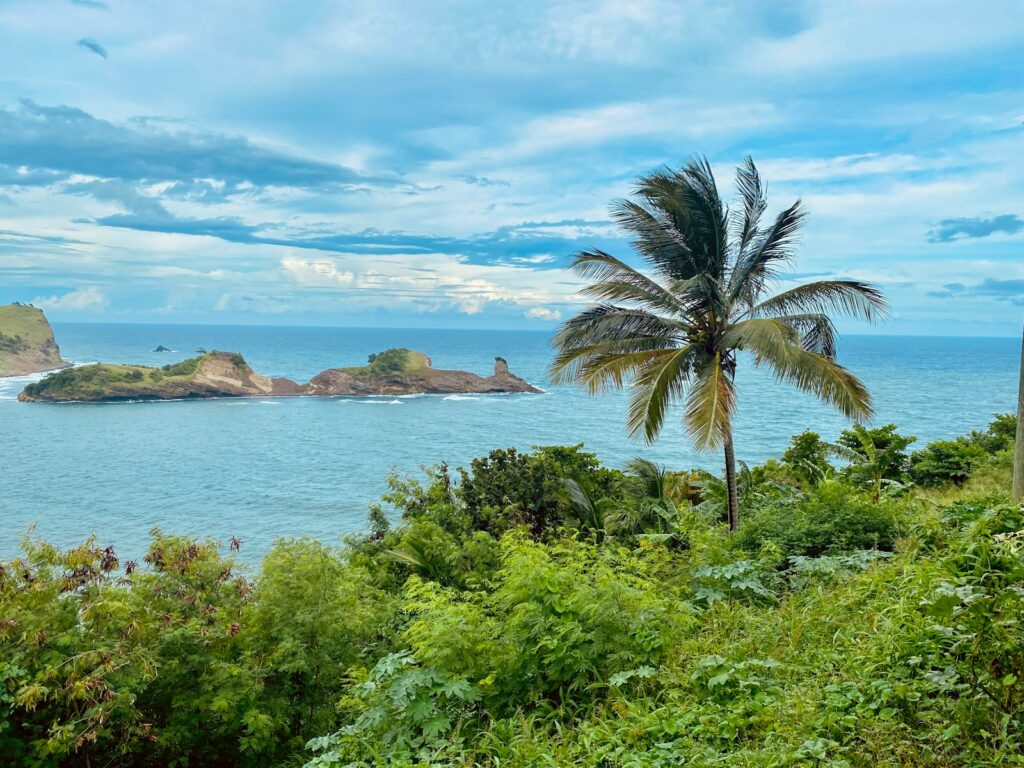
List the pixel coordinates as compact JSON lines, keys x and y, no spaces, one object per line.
{"x":675,"y":333}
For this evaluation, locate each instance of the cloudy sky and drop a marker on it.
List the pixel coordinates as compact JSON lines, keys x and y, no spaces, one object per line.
{"x":397,"y":163}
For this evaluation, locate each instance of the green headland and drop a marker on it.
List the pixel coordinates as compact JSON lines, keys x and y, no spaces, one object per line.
{"x":26,"y":341}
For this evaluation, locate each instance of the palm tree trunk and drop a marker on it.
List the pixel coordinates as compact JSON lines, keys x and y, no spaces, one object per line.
{"x":730,"y":483}
{"x":1018,"y":453}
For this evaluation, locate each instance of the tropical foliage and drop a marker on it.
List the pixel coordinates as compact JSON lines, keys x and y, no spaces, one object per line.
{"x":516,"y":628}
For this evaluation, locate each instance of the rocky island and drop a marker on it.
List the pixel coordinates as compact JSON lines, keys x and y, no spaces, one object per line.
{"x":227,"y":374}
{"x":26,"y":342}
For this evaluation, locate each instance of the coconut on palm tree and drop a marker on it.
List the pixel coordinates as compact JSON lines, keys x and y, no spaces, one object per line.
{"x":675,"y":331}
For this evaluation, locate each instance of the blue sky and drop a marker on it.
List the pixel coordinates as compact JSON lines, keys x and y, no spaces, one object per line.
{"x":435,"y":164}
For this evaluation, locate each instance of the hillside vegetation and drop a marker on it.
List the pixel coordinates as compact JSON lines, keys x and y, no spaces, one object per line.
{"x":540,"y":609}
{"x":89,"y":382}
{"x":24,"y":322}
{"x":26,"y":341}
{"x":391,"y":362}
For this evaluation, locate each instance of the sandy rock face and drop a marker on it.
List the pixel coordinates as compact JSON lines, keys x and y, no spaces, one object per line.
{"x":221,"y":372}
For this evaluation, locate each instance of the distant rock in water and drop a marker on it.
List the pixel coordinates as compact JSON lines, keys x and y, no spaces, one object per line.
{"x":26,"y":342}
{"x":227,"y":374}
{"x":162,"y":348}
{"x":404,"y":372}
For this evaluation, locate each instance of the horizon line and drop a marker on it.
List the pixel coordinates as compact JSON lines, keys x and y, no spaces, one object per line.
{"x":472,"y":329}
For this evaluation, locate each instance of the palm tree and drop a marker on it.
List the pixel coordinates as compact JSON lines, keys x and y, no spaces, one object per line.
{"x":677,"y":332}
{"x":1018,"y":451}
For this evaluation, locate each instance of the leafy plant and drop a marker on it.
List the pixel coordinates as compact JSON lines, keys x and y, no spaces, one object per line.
{"x":945,"y":461}
{"x":403,"y":713}
{"x":877,"y":457}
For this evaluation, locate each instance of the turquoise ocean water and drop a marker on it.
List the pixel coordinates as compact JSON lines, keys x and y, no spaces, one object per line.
{"x":264,"y":469}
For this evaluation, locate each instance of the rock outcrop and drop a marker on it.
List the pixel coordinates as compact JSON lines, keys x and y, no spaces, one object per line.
{"x":226,"y":374}
{"x":419,"y":377}
{"x":26,"y":342}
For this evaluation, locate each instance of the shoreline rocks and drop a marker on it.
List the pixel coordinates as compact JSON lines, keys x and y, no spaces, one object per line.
{"x":226,"y":374}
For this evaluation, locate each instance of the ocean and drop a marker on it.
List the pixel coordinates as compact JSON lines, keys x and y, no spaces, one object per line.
{"x":264,"y":469}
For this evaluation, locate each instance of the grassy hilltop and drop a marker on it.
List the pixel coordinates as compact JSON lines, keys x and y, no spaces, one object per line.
{"x":27,"y":324}
{"x":26,"y":341}
{"x":391,"y":362}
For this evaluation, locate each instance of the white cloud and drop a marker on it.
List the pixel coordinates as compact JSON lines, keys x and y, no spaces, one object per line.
{"x":542,"y":313}
{"x":540,"y":258}
{"x":844,"y":166}
{"x":662,"y":117}
{"x":431,"y":282}
{"x":81,"y":299}
{"x":322,"y":272}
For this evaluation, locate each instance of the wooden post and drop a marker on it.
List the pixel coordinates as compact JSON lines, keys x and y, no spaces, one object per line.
{"x":1018,"y":453}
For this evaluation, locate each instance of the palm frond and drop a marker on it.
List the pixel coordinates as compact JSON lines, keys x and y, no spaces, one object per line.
{"x":610,"y":370}
{"x":845,"y":453}
{"x":656,"y":238}
{"x":852,"y":298}
{"x":752,"y":194}
{"x":653,"y":477}
{"x":817,"y":332}
{"x":614,"y":280}
{"x":762,"y":336}
{"x":710,"y":405}
{"x":585,"y":509}
{"x":608,"y":322}
{"x":702,"y":294}
{"x":756,"y":266}
{"x":706,"y":227}
{"x":774,"y":343}
{"x":678,"y":220}
{"x":605,"y":330}
{"x":658,"y":385}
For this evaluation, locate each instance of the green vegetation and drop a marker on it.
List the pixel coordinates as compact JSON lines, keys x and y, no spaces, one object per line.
{"x":541,"y":609}
{"x":92,"y":378}
{"x":11,"y":343}
{"x":23,"y":325}
{"x":104,"y":379}
{"x":26,"y":341}
{"x":677,"y":336}
{"x":391,"y":362}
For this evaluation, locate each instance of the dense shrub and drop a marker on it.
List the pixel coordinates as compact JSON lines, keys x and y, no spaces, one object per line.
{"x":945,"y":461}
{"x":583,"y":612}
{"x":183,"y":368}
{"x":1000,"y":435}
{"x":178,"y":661}
{"x":807,"y":458}
{"x":833,"y":517}
{"x":504,"y":489}
{"x":884,"y":450}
